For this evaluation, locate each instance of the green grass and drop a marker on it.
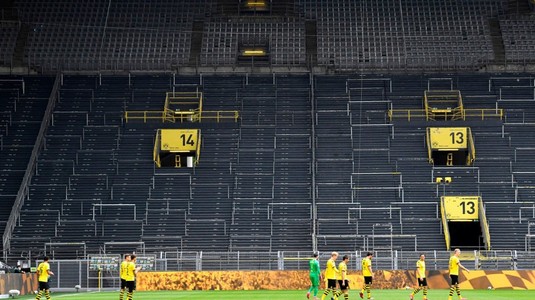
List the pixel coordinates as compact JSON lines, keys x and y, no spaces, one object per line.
{"x":285,"y":295}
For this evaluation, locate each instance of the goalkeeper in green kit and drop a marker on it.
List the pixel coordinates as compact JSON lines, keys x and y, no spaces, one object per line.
{"x":315,"y":276}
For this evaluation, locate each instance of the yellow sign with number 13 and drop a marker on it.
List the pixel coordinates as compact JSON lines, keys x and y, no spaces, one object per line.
{"x":461,"y":208}
{"x":448,"y":138}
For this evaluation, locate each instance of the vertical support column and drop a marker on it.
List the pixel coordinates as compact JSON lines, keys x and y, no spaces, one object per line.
{"x":476,"y":260}
{"x":198,"y":261}
{"x":280,"y":260}
{"x":395,"y":260}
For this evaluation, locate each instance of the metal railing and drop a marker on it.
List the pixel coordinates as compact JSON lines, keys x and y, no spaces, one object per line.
{"x":72,"y":272}
{"x":472,"y":113}
{"x":24,"y":190}
{"x":429,"y":146}
{"x":445,"y":226}
{"x":472,"y":153}
{"x":484,"y":225}
{"x":156,"y":115}
{"x":156,"y":149}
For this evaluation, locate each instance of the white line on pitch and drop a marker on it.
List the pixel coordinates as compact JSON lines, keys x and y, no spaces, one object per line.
{"x":75,"y":294}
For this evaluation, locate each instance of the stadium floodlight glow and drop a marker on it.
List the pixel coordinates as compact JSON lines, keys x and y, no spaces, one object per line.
{"x":255,"y":3}
{"x":14,"y":293}
{"x":254,"y":52}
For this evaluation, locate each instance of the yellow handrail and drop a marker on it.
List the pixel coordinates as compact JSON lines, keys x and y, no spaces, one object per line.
{"x":199,"y":140}
{"x":428,"y":140}
{"x":461,"y":106}
{"x":445,"y":224}
{"x":220,"y":115}
{"x":484,"y":224}
{"x":169,"y":115}
{"x":483,"y":113}
{"x":426,"y":108}
{"x":155,"y":153}
{"x":144,"y":115}
{"x":472,"y":154}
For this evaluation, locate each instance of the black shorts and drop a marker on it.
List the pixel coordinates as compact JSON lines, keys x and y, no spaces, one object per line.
{"x":343,"y":284}
{"x":43,"y":286}
{"x":123,"y":284}
{"x":422,"y":282}
{"x":368,"y":279}
{"x":454,"y":279}
{"x":131,"y":286}
{"x":331,"y":283}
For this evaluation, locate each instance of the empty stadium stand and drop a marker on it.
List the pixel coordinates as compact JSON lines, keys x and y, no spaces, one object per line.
{"x":8,"y":38}
{"x":329,"y":149}
{"x":349,"y":35}
{"x":284,"y":38}
{"x":519,"y":37}
{"x":132,"y":35}
{"x":392,"y":35}
{"x":24,"y":100}
{"x":124,"y":35}
{"x":312,"y":162}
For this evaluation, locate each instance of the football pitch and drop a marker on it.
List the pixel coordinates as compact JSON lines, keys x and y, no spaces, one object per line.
{"x":286,"y":295}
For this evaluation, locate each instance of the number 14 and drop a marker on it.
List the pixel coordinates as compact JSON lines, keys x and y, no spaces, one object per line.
{"x":187,"y":140}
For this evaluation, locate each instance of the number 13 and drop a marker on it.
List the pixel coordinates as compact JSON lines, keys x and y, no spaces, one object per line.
{"x":468,"y":208}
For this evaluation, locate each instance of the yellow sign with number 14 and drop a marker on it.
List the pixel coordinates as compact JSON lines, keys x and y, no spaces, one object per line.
{"x":179,"y":140}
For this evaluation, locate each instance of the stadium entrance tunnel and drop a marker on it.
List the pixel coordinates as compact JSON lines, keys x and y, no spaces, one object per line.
{"x":177,"y":148}
{"x":450,"y":146}
{"x":465,"y":222}
{"x":466,"y":235}
{"x":176,"y":160}
{"x":446,"y":158}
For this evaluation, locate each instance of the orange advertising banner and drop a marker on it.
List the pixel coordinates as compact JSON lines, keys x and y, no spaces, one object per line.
{"x":296,"y":280}
{"x":25,"y":283}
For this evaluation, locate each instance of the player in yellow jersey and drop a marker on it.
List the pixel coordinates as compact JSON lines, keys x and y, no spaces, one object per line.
{"x":124,"y":267}
{"x":422,"y":280}
{"x":331,"y":273}
{"x":367,"y":272}
{"x":130,"y":277}
{"x":343,"y":280}
{"x":44,"y":273}
{"x":454,"y":266}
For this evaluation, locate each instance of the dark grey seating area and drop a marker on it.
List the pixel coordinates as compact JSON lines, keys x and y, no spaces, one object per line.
{"x":309,"y":155}
{"x":519,"y":37}
{"x":391,"y":35}
{"x":126,"y":35}
{"x":8,"y":38}
{"x":284,"y":37}
{"x":23,"y":101}
{"x":168,"y":35}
